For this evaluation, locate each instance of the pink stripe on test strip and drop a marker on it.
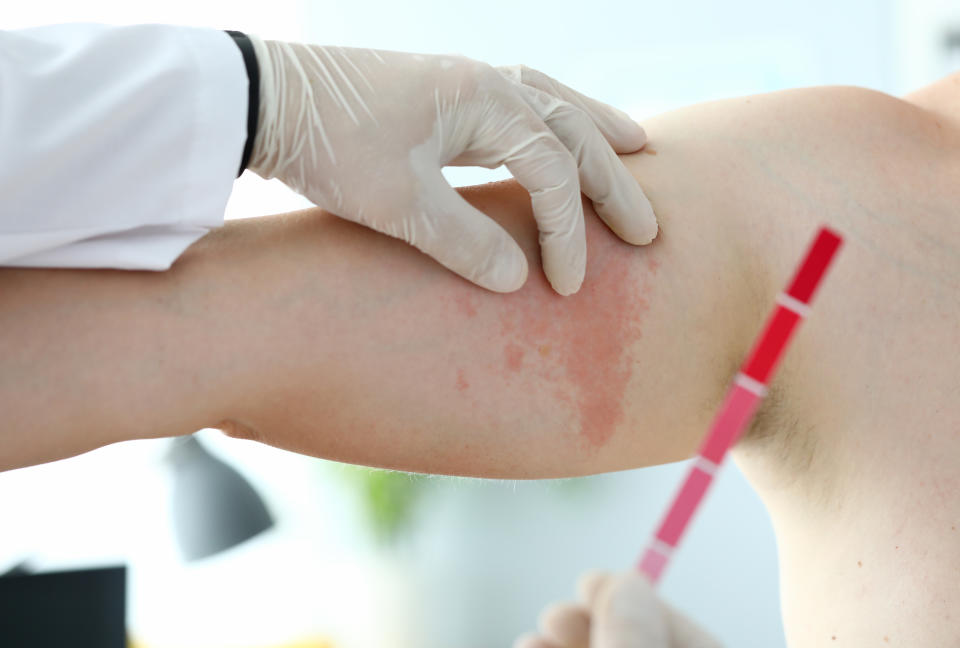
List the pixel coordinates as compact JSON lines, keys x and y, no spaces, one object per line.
{"x":748,"y":388}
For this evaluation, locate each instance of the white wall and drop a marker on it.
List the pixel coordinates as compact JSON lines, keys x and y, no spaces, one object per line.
{"x":483,"y":557}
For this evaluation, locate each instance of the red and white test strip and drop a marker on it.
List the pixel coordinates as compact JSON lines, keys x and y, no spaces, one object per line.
{"x":749,"y":386}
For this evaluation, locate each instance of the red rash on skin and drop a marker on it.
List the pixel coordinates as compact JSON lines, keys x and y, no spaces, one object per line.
{"x":465,"y":304}
{"x":581,"y":344}
{"x":462,"y":383}
{"x":513,"y":356}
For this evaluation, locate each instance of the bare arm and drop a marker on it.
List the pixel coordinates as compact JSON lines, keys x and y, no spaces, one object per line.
{"x":316,"y":335}
{"x":372,"y":354}
{"x":327,"y":338}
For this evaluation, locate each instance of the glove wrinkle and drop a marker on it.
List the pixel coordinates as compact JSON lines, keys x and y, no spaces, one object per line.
{"x":365,"y":133}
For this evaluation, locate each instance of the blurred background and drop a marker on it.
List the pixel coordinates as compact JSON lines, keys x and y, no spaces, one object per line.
{"x":243,"y":546}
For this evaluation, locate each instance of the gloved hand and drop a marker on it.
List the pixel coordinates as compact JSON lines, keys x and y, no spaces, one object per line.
{"x":617,"y":611}
{"x":364,"y":133}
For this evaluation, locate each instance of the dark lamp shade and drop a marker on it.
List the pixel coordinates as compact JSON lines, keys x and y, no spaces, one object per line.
{"x":214,"y":508}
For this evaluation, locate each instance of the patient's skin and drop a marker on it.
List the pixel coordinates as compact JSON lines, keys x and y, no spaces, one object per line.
{"x":402,"y":364}
{"x":317,"y":335}
{"x":861,"y":471}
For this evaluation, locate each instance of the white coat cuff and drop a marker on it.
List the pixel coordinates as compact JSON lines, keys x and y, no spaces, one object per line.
{"x":221,"y":125}
{"x":152,"y":247}
{"x":114,"y":135}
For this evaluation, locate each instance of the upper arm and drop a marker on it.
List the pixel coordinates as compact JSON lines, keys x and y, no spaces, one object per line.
{"x":403,"y":364}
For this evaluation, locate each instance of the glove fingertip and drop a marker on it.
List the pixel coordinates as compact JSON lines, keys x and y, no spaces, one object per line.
{"x":474,"y":246}
{"x":633,"y":138}
{"x":630,"y":215}
{"x":590,"y":584}
{"x":498,"y":264}
{"x":624,"y":134}
{"x":645,"y":230}
{"x":564,"y":286}
{"x":507,"y":273}
{"x":565,"y":262}
{"x":566,"y":281}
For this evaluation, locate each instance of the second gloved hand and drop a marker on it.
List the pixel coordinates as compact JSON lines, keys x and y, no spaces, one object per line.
{"x":365,"y":133}
{"x":616,"y":611}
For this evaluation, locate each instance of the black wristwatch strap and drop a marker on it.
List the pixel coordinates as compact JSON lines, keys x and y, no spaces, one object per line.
{"x":253,"y":103}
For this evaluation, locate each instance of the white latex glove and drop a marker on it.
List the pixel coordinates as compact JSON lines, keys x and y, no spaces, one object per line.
{"x":616,"y":611}
{"x":364,"y":133}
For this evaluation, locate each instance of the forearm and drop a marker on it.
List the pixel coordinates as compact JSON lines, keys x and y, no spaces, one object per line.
{"x":324,"y":337}
{"x":90,"y":357}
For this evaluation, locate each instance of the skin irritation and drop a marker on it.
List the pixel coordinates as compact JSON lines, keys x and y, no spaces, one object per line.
{"x":462,"y":384}
{"x":577,"y":348}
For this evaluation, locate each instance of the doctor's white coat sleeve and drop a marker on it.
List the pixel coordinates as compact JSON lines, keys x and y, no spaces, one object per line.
{"x":118,"y":145}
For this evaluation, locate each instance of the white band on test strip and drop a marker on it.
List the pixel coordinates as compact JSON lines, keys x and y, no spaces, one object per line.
{"x":705,"y":465}
{"x":661,"y":547}
{"x":750,"y":384}
{"x":793,"y":304}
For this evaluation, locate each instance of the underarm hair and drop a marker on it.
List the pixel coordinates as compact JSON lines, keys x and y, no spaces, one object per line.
{"x":777,"y":430}
{"x":780,"y":432}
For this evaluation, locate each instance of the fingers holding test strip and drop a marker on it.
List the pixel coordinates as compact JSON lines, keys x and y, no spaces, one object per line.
{"x":616,"y":610}
{"x":750,"y":386}
{"x":623,"y":610}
